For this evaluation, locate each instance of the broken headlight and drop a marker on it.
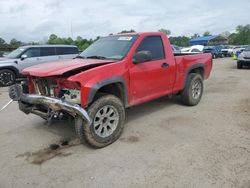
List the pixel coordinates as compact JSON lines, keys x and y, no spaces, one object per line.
{"x":70,"y":95}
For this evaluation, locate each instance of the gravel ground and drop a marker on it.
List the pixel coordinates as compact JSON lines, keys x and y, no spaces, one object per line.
{"x":164,"y":144}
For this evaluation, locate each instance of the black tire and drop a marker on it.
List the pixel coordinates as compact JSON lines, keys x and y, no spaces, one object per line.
{"x":189,"y":96}
{"x":7,"y":77}
{"x":89,"y":135}
{"x":239,"y":65}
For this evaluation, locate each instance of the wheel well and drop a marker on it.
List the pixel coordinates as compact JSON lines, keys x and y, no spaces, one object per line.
{"x":116,"y":89}
{"x":198,"y":70}
{"x":11,"y":69}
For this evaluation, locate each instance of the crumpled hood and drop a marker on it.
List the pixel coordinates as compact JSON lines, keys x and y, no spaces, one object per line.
{"x":61,"y":67}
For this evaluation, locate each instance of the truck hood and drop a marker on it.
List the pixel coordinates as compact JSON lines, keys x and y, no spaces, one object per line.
{"x":62,"y":67}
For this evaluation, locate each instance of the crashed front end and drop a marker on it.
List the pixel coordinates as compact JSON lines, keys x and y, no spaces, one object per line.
{"x":49,"y":98}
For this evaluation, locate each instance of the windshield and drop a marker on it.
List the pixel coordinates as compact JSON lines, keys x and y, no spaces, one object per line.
{"x":16,"y":53}
{"x":247,"y":48}
{"x":111,"y":47}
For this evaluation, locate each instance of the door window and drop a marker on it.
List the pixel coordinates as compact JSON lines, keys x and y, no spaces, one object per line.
{"x":154,"y":45}
{"x":32,"y":52}
{"x":66,"y":50}
{"x":48,"y":51}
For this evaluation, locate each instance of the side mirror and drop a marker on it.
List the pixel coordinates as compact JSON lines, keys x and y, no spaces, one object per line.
{"x":142,"y":56}
{"x":23,"y":57}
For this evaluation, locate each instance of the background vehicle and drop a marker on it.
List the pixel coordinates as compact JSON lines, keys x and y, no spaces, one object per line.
{"x":26,"y":56}
{"x":226,"y":51}
{"x":213,"y":50}
{"x":113,"y":73}
{"x":244,"y":58}
{"x":193,"y":49}
{"x":176,"y":49}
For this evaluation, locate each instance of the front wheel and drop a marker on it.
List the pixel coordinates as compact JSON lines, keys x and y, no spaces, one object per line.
{"x":192,"y":93}
{"x":108,"y":115}
{"x":7,"y":78}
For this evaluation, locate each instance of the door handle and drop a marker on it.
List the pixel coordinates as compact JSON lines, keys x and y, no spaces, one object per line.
{"x":164,"y":65}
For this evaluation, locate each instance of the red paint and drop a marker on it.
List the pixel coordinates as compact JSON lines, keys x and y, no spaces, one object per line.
{"x":145,"y":81}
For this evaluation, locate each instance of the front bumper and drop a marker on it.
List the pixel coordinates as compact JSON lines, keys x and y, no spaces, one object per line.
{"x":27,"y":103}
{"x":245,"y":62}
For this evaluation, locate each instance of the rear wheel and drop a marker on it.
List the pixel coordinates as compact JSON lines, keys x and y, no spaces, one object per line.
{"x":192,"y":93}
{"x":108,"y":115}
{"x":7,"y":77}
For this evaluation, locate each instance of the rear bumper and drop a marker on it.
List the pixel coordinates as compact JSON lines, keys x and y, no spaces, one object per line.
{"x":27,"y":103}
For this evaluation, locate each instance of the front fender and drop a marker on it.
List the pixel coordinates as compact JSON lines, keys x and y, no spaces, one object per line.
{"x":102,"y":83}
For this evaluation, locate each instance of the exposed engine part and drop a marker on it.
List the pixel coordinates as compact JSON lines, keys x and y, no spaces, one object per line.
{"x":71,"y":95}
{"x":29,"y":102}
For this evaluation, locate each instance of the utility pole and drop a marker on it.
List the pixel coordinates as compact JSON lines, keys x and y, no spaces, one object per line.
{"x":71,"y":29}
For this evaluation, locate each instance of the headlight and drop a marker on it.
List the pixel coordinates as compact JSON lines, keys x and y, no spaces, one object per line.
{"x":71,"y":95}
{"x":241,"y":56}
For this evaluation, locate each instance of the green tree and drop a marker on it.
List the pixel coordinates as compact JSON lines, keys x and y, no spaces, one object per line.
{"x":2,"y":43}
{"x":168,"y":32}
{"x":15,"y":43}
{"x":52,"y":39}
{"x":68,"y":41}
{"x":207,"y":33}
{"x":180,"y":41}
{"x":128,"y":31}
{"x":225,"y":34}
{"x":242,"y":35}
{"x":196,"y":35}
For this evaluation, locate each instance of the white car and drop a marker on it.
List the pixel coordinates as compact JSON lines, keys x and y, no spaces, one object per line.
{"x":193,"y":49}
{"x":237,"y":49}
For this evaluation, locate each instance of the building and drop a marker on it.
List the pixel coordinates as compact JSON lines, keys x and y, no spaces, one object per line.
{"x":209,"y":40}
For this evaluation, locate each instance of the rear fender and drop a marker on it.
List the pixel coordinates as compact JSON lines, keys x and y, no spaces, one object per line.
{"x":192,"y":68}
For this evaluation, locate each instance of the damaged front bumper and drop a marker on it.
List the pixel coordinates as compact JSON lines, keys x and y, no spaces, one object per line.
{"x":27,"y":103}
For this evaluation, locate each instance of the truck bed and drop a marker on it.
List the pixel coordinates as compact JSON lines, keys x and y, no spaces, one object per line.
{"x":185,"y":62}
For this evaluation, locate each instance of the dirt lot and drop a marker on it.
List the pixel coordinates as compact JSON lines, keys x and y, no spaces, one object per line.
{"x":164,"y":144}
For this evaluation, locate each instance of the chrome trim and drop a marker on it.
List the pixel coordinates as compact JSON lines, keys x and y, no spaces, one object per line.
{"x":56,"y":104}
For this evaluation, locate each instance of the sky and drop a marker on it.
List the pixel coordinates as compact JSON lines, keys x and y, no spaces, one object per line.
{"x":33,"y":20}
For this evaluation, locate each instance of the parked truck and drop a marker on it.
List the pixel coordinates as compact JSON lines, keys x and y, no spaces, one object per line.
{"x":114,"y":73}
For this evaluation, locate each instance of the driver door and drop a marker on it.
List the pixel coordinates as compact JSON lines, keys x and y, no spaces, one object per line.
{"x":150,"y":79}
{"x":32,"y":58}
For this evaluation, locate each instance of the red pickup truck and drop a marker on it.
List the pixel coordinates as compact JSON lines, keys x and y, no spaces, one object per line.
{"x":114,"y":73}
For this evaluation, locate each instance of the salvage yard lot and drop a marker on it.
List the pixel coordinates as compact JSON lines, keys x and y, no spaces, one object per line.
{"x":164,"y":144}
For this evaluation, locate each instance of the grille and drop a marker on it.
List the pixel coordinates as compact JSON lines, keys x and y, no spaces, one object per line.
{"x":45,"y":87}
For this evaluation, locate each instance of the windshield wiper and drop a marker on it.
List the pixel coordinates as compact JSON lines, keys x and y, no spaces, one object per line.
{"x":96,"y":57}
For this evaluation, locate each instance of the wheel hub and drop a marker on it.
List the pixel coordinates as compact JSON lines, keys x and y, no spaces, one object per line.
{"x":6,"y":78}
{"x":196,"y":89}
{"x":106,"y":121}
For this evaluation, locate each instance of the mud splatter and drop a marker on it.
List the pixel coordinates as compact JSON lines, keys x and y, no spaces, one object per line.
{"x":54,"y":150}
{"x":130,"y":139}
